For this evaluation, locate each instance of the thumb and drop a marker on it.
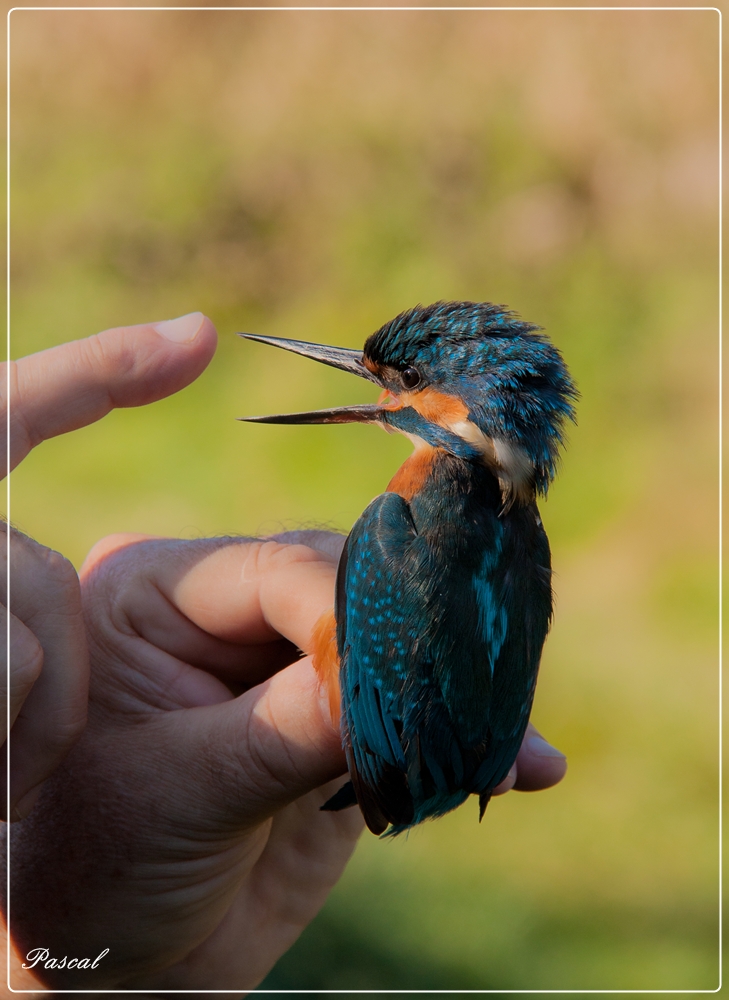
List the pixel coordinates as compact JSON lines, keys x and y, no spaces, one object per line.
{"x":249,"y":757}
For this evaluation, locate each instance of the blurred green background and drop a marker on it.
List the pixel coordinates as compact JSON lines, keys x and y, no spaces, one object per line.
{"x":310,"y":174}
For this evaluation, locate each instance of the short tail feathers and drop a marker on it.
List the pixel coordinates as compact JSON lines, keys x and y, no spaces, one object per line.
{"x":387,"y":802}
{"x":346,"y":797}
{"x":483,"y":800}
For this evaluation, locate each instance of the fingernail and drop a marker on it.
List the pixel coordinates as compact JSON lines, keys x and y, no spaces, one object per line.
{"x":24,"y":806}
{"x":540,"y":748}
{"x":182,"y":329}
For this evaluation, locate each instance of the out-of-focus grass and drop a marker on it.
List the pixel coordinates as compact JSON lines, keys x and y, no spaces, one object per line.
{"x":310,"y":175}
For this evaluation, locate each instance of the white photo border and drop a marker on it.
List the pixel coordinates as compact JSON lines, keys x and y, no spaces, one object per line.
{"x":720,"y":492}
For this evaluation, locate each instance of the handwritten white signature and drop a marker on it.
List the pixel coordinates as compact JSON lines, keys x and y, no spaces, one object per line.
{"x":37,"y":955}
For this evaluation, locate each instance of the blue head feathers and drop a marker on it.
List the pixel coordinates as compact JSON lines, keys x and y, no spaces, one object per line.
{"x":513,"y":381}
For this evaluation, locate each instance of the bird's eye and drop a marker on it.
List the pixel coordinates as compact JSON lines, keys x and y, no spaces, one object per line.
{"x":410,"y":377}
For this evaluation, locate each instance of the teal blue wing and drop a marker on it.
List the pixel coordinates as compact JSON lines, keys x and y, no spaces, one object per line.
{"x":405,"y":758}
{"x":375,"y":643}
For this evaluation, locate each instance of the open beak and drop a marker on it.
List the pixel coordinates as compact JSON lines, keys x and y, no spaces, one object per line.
{"x":337,"y":357}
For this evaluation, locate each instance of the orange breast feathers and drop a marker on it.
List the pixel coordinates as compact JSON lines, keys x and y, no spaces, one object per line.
{"x":326,"y":660}
{"x":412,"y":474}
{"x":438,"y":408}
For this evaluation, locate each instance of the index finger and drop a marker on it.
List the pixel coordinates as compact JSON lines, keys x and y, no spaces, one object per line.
{"x":254,"y":591}
{"x":75,"y":384}
{"x":206,"y":601}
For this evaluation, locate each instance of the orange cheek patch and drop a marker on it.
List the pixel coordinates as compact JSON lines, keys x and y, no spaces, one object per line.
{"x":438,"y":407}
{"x":412,"y":474}
{"x":326,"y":660}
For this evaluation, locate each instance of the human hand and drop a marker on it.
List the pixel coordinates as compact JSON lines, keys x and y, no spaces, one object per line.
{"x":183,"y":832}
{"x":53,"y":392}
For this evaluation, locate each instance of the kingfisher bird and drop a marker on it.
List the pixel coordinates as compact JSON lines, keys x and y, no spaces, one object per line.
{"x":443,"y":594}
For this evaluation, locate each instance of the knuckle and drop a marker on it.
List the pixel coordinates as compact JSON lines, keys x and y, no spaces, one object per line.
{"x":327,"y":543}
{"x":58,"y":566}
{"x":272,"y":762}
{"x":122,"y":361}
{"x":249,"y":770}
{"x":97,"y":354}
{"x":272,"y":555}
{"x":59,"y":570}
{"x":111,"y":358}
{"x":23,"y":436}
{"x":267,"y":554}
{"x":40,"y":578}
{"x":257,"y":755}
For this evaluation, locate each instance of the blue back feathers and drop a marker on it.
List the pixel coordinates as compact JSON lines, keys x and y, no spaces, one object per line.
{"x":443,"y":604}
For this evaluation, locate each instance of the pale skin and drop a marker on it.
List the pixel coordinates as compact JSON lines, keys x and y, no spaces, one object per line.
{"x":182,"y":830}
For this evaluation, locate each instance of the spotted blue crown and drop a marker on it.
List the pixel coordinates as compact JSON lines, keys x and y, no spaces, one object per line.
{"x":513,"y":380}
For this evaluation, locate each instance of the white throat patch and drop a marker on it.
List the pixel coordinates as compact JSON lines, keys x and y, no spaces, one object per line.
{"x":510,"y":462}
